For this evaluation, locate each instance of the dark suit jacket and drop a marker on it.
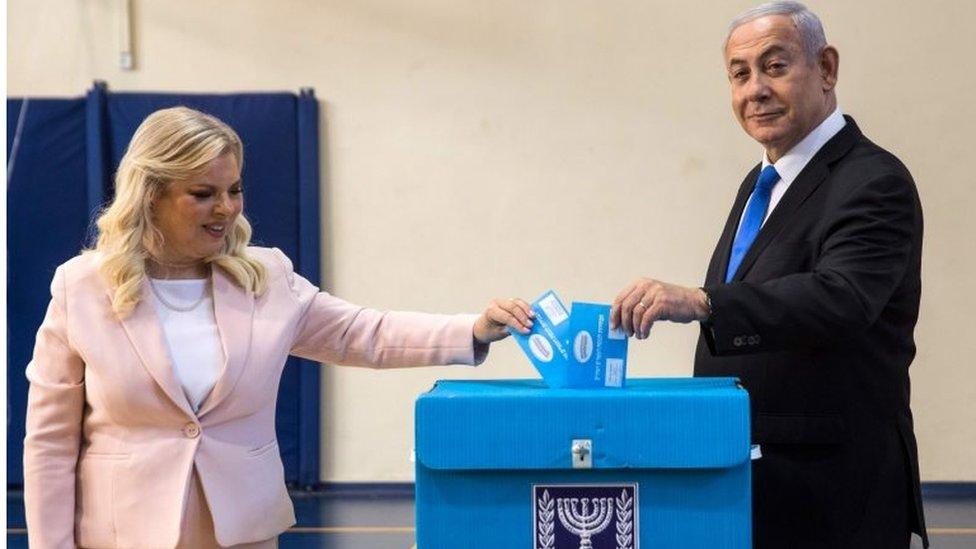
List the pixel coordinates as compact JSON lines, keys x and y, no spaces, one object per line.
{"x":818,"y":324}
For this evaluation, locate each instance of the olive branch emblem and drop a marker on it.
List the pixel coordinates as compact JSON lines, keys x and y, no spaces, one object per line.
{"x":625,"y":520}
{"x":546,"y":526}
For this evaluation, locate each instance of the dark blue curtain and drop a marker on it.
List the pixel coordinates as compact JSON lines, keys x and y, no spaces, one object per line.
{"x":66,"y":154}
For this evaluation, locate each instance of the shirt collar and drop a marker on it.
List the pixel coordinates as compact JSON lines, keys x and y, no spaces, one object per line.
{"x":793,"y":162}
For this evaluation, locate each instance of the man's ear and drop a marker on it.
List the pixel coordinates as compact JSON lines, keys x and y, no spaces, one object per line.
{"x":829,"y":63}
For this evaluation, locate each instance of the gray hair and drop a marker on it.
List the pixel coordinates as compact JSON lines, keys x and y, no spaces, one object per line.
{"x":807,"y":23}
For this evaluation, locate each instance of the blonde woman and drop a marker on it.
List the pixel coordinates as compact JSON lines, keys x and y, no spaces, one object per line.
{"x":150,"y":419}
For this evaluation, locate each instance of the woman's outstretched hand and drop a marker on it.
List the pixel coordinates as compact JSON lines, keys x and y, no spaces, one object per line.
{"x":501,"y":314}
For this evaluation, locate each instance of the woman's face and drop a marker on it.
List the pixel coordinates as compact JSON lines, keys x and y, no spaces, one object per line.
{"x":195,"y":216}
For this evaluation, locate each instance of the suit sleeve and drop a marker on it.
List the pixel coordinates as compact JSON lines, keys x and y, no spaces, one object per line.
{"x":55,"y":404}
{"x":863,"y":259}
{"x":335,"y":331}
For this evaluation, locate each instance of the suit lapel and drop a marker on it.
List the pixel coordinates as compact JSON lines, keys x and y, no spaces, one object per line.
{"x":805,"y":183}
{"x":145,"y":332}
{"x":234,"y":311}
{"x":720,"y":259}
{"x":815,"y":172}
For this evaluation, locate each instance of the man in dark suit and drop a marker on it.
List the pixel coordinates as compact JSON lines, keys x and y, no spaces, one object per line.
{"x":811,"y":299}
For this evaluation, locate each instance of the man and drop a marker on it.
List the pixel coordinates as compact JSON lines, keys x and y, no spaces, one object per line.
{"x":811,"y":299}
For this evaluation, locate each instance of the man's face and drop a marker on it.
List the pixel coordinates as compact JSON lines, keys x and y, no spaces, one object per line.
{"x":779,"y":95}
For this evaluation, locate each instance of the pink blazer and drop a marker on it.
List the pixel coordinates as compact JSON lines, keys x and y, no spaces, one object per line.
{"x":112,"y":441}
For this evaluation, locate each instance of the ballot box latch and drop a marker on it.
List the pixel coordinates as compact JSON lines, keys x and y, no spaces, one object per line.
{"x":582,"y":451}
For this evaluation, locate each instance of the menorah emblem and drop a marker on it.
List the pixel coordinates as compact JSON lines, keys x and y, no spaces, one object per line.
{"x":585,"y":516}
{"x":582,"y":521}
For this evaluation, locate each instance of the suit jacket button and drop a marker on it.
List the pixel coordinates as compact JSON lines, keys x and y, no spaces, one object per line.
{"x":737,"y":341}
{"x":191,"y":430}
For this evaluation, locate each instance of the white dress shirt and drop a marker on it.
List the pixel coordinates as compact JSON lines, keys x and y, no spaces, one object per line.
{"x":192,"y":336}
{"x":792,"y":163}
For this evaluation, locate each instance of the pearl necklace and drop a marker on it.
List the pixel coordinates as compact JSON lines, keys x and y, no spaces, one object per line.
{"x":170,"y":306}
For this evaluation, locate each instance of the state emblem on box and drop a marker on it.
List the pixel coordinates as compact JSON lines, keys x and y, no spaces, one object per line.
{"x":585,"y":515}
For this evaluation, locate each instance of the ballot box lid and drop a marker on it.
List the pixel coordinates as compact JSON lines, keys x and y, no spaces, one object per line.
{"x":522,"y":424}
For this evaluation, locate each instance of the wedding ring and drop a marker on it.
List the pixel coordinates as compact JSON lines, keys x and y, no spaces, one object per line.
{"x":641,"y":304}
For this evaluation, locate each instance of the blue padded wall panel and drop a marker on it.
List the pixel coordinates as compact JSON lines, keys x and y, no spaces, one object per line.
{"x":308,"y":259}
{"x":46,"y":225}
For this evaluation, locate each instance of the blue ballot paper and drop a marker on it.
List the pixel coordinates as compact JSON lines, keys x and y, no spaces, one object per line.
{"x":546,"y":345}
{"x":599,"y":357}
{"x":574,"y":348}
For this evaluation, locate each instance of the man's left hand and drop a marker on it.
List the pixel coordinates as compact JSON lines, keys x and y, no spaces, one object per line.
{"x":645,"y":301}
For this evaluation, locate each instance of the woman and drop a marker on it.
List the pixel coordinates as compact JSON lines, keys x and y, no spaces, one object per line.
{"x":150,"y":419}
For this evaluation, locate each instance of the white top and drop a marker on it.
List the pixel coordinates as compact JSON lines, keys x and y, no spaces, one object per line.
{"x":792,"y":163}
{"x":192,"y":336}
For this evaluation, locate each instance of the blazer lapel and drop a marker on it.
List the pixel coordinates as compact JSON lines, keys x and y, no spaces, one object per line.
{"x":806,"y":182}
{"x":234,"y":311}
{"x":146,"y":335}
{"x":720,"y":260}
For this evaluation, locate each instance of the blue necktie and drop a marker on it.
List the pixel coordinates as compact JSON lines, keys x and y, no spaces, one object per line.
{"x":753,"y":218}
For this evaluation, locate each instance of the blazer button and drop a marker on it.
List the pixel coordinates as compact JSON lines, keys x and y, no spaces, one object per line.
{"x":737,"y":341}
{"x":191,"y":430}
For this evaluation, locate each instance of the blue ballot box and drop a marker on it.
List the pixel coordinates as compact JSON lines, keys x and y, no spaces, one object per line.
{"x":660,"y":463}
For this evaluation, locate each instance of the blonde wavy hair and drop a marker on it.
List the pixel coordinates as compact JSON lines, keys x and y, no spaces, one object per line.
{"x":173,"y":144}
